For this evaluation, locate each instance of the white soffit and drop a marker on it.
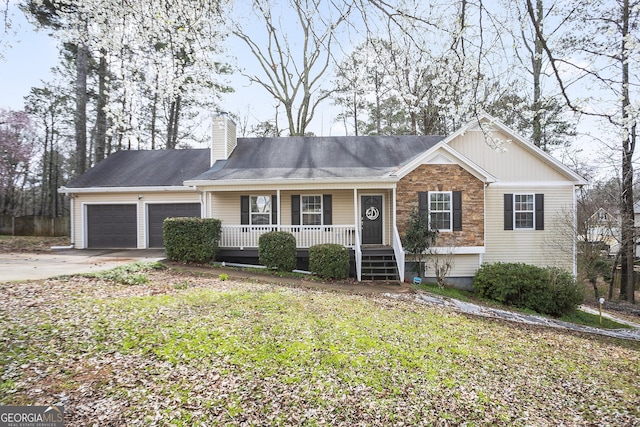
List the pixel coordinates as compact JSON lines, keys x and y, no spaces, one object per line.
{"x":438,"y":158}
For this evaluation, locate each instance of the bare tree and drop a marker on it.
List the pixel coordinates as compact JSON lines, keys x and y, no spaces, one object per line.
{"x":604,"y":37}
{"x":16,"y":152}
{"x":293,"y":77}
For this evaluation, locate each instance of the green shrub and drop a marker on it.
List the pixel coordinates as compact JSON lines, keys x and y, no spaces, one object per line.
{"x":277,"y":250}
{"x":329,"y":261}
{"x":191,"y":239}
{"x":545,"y":290}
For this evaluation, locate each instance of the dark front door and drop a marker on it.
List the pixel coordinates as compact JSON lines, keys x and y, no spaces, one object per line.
{"x":372,"y":220}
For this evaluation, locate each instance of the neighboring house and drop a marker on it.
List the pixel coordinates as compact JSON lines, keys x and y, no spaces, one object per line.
{"x":603,"y":228}
{"x":493,"y":196}
{"x":636,"y":225}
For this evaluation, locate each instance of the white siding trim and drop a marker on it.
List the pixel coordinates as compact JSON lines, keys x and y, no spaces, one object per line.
{"x":532,"y":184}
{"x":459,"y":159}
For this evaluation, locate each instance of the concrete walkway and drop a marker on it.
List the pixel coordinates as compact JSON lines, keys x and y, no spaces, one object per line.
{"x":478,"y":310}
{"x":37,"y":266}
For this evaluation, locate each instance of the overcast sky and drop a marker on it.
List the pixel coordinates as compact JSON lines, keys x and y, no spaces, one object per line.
{"x":26,"y":57}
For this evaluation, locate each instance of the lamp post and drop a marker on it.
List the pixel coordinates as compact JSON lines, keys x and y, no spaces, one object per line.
{"x":601,"y":301}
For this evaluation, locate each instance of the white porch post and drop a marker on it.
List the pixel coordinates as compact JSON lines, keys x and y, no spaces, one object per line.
{"x":355,"y":209}
{"x":395,"y":222}
{"x":279,"y":210}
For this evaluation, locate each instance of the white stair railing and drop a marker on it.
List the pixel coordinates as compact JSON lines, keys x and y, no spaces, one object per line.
{"x":358,"y":254}
{"x":398,"y":251}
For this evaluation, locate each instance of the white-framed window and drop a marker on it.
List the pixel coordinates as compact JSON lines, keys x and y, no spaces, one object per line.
{"x":523,"y":211}
{"x":440,"y":210}
{"x":260,"y":210}
{"x":311,"y":210}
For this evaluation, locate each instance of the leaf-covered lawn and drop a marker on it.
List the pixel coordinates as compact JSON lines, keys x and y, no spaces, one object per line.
{"x":187,"y":350}
{"x":30,"y":244}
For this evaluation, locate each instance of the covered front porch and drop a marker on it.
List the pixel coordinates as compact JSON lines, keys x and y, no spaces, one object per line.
{"x":361,"y":219}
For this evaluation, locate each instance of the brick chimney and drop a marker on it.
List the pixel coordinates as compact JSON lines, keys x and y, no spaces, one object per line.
{"x":223,"y":137}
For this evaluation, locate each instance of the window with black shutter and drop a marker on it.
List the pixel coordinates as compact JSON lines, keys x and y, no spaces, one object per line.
{"x":444,"y":209}
{"x":524,"y":211}
{"x":311,"y":209}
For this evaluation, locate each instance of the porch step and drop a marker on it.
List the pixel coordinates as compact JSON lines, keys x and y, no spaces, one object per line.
{"x":379,"y":264}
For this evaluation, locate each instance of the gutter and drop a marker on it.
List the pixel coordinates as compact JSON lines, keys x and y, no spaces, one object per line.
{"x":150,"y":189}
{"x":291,"y":181}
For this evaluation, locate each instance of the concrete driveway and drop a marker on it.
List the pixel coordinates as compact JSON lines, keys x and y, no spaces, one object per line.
{"x":35,"y":266}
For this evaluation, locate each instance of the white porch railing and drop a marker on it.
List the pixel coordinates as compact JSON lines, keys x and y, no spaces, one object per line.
{"x":358,"y":254}
{"x":246,"y":236}
{"x":398,"y":251}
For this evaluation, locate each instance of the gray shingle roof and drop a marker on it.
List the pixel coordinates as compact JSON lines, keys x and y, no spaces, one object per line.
{"x":318,"y":157}
{"x":260,"y":159}
{"x":143,"y":168}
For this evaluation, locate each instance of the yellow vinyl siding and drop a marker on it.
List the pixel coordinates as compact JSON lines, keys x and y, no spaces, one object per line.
{"x":552,"y":246}
{"x":226,"y":206}
{"x":515,"y":163}
{"x":463,"y":265}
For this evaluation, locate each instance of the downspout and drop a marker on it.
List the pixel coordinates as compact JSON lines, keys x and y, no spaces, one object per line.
{"x":71,"y":224}
{"x":72,"y":214}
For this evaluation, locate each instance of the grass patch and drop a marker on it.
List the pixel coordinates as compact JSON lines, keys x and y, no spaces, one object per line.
{"x":275,"y":273}
{"x":448,"y":292}
{"x":129,"y":274}
{"x":578,"y":317}
{"x":254,"y":354}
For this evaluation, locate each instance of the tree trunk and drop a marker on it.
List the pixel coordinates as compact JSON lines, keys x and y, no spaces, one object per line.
{"x":80,"y":118}
{"x":628,"y":146}
{"x":101,"y":114}
{"x":614,"y":268}
{"x":536,"y":62}
{"x":594,"y":283}
{"x":154,"y":114}
{"x":172,"y":125}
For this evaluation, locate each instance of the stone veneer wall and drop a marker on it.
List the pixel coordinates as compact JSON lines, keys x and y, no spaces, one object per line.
{"x":445,"y":178}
